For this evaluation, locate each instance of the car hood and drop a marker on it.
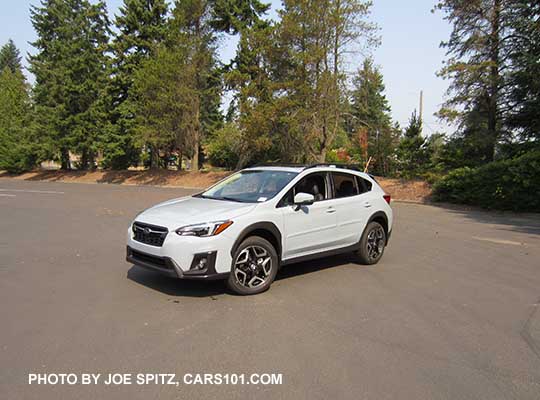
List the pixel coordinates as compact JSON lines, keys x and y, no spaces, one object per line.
{"x":192,"y":210}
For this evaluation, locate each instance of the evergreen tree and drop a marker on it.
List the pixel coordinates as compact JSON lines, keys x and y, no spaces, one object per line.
{"x":141,"y":27}
{"x":242,"y":17}
{"x":237,"y":16}
{"x":262,"y":118}
{"x":315,"y":35}
{"x":412,"y":152}
{"x":525,"y":93}
{"x":71,"y":73}
{"x":17,"y":152}
{"x":10,"y":57}
{"x":478,"y":64}
{"x":371,"y":117}
{"x":165,"y":106}
{"x":192,"y":29}
{"x":178,"y":89}
{"x":470,"y":146}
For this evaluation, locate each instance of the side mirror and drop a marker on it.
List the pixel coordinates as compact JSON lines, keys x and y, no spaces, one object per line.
{"x":304,"y":199}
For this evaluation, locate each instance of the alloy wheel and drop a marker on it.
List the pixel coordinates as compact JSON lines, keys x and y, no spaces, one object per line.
{"x":375,"y":242}
{"x":252,"y":266}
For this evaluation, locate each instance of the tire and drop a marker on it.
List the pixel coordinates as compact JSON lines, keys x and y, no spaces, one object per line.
{"x":254,"y":266}
{"x":372,"y":244}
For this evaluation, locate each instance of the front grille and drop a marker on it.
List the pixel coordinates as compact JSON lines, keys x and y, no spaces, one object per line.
{"x":156,"y":261}
{"x":149,"y":234}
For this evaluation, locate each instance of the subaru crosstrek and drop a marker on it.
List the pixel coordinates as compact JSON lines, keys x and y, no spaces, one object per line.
{"x":246,"y":226}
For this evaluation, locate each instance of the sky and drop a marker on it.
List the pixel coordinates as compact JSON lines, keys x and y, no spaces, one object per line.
{"x":408,"y":56}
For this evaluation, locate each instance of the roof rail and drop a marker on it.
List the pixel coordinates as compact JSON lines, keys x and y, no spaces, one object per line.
{"x":278,"y":164}
{"x":354,"y":167}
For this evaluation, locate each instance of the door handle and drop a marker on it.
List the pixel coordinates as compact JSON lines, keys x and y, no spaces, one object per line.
{"x":330,"y":210}
{"x":367,"y":204}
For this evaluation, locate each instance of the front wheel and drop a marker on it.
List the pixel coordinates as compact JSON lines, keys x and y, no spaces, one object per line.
{"x":372,"y":244}
{"x":254,"y":266}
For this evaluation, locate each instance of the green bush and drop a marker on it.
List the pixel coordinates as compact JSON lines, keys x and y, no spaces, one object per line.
{"x":224,"y":147}
{"x":504,"y":185}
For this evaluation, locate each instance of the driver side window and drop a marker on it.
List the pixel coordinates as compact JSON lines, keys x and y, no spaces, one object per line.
{"x":314,"y":184}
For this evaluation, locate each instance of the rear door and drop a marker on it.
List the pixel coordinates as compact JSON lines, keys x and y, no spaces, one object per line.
{"x":353,"y":208}
{"x":309,"y":229}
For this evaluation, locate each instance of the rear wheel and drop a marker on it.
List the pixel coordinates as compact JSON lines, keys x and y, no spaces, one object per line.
{"x":254,"y":266}
{"x":372,"y":244}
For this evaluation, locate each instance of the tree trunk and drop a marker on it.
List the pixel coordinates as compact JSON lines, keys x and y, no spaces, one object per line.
{"x":494,"y":81}
{"x":83,"y":163}
{"x":64,"y":159}
{"x":179,"y":160}
{"x":242,"y":161}
{"x":322,"y":155}
{"x":154,"y":158}
{"x":87,"y":160}
{"x":195,"y":159}
{"x":196,"y":139}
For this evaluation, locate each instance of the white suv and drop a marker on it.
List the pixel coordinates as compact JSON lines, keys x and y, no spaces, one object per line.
{"x":249,"y":224}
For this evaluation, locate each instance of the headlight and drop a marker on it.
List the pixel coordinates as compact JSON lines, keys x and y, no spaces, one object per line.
{"x":204,"y":230}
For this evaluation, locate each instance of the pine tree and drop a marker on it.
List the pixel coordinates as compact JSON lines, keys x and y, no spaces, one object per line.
{"x":525,"y":93}
{"x":141,"y":27}
{"x":237,"y":16}
{"x":17,"y":152}
{"x":71,"y":73}
{"x":165,"y":106}
{"x":412,"y":153}
{"x":10,"y":57}
{"x":478,"y":64}
{"x":178,"y":88}
{"x":316,"y":35}
{"x":371,"y":117}
{"x":245,"y":77}
{"x":243,"y":18}
{"x":191,"y":28}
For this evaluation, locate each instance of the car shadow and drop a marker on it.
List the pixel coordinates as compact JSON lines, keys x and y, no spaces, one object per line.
{"x":317,"y":265}
{"x":192,"y":288}
{"x":175,"y":287}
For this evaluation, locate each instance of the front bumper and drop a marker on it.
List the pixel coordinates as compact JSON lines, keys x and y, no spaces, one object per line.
{"x":177,"y":255}
{"x":167,"y":266}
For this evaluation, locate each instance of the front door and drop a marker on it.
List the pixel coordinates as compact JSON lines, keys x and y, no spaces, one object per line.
{"x":309,"y":229}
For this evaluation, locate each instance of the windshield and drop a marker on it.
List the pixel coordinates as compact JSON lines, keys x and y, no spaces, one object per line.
{"x":250,"y":186}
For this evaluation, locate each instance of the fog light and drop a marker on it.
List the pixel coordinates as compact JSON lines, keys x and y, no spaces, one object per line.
{"x":201,"y":264}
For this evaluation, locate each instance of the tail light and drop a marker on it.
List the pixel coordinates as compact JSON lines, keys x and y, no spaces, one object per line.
{"x":387,"y":197}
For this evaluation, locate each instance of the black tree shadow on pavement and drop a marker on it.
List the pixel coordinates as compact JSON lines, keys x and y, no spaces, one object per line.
{"x":528,"y":223}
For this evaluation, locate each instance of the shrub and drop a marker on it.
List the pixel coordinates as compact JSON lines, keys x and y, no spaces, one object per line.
{"x":224,"y":147}
{"x":504,"y":185}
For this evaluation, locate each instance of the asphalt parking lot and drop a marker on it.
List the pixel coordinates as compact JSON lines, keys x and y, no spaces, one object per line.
{"x":451,"y":311}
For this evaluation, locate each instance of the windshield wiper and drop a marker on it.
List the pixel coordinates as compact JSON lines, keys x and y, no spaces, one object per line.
{"x":233,"y":199}
{"x":225,"y":198}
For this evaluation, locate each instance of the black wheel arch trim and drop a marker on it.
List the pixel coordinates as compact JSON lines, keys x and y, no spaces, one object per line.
{"x":382,"y":215}
{"x":263,"y":225}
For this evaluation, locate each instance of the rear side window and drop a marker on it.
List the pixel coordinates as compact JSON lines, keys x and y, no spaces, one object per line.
{"x":363,"y":184}
{"x":345,"y":185}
